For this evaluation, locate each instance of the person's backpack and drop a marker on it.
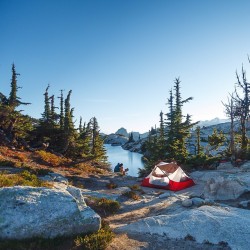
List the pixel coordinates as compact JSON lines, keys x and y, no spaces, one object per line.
{"x":117,"y":168}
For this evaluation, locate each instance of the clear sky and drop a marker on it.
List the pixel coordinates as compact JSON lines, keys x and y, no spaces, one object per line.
{"x":120,"y":57}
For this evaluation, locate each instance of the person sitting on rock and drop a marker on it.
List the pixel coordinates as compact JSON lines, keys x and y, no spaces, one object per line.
{"x":117,"y":167}
{"x":120,"y":169}
{"x":123,"y":172}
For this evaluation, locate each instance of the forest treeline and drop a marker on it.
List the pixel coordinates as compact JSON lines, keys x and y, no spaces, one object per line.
{"x":171,"y":140}
{"x":55,"y":131}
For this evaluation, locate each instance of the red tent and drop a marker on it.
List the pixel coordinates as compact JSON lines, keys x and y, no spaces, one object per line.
{"x":168,"y":176}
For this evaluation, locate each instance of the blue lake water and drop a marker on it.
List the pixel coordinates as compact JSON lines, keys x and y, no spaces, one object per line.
{"x":130,"y":160}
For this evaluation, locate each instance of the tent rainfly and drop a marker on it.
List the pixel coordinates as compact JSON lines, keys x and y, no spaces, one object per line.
{"x":168,"y":176}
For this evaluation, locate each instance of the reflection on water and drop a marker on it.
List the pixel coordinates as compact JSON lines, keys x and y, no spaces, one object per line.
{"x":130,"y":160}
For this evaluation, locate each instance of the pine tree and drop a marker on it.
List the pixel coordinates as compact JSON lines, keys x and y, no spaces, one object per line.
{"x":131,"y":137}
{"x":69,"y":130}
{"x":161,"y":141}
{"x":61,"y":119}
{"x":199,"y":148}
{"x":80,"y":129}
{"x":54,"y":115}
{"x":13,"y":123}
{"x":13,"y":100}
{"x":169,"y":123}
{"x":47,"y":108}
{"x":177,"y":130}
{"x":98,"y":150}
{"x":216,"y":139}
{"x":84,"y":140}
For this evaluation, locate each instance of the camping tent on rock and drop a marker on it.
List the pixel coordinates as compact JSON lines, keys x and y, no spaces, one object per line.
{"x":168,"y":176}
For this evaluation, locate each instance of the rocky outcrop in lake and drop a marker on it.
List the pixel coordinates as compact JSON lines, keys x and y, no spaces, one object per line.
{"x":115,"y":140}
{"x":121,"y":138}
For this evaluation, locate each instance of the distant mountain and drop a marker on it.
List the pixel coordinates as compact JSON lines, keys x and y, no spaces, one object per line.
{"x":122,"y":131}
{"x":214,"y":121}
{"x":136,"y":135}
{"x":121,"y":136}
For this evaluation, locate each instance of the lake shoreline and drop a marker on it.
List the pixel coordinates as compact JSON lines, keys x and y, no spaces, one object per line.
{"x":131,"y":160}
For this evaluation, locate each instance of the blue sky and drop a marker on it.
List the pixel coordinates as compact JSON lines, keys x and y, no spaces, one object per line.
{"x":120,"y":58}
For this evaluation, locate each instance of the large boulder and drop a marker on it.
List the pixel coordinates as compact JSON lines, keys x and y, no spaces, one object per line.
{"x":27,"y":212}
{"x":212,"y":224}
{"x":222,"y":185}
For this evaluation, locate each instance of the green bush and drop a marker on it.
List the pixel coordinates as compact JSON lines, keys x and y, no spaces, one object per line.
{"x":96,"y":241}
{"x":203,"y":161}
{"x":23,"y":179}
{"x":132,"y":195}
{"x":103,"y":206}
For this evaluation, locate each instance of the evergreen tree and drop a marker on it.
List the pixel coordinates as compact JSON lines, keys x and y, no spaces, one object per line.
{"x":69,"y":130}
{"x":199,"y":148}
{"x":131,"y":137}
{"x":61,"y":119}
{"x":169,"y":123}
{"x":13,"y":123}
{"x":54,"y":115}
{"x":216,"y":139}
{"x":177,"y":130}
{"x":98,"y":150}
{"x":47,"y":108}
{"x":13,"y":100}
{"x":161,"y":141}
{"x":45,"y":131}
{"x":80,"y":129}
{"x":85,"y":138}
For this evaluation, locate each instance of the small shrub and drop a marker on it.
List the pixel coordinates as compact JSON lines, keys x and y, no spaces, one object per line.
{"x":132,"y":195}
{"x":103,"y":206}
{"x":96,"y":241}
{"x":135,"y":187}
{"x":23,"y":179}
{"x":189,"y":237}
{"x":78,"y":184}
{"x":207,"y":242}
{"x":111,"y":185}
{"x":51,"y":159}
{"x":223,"y":244}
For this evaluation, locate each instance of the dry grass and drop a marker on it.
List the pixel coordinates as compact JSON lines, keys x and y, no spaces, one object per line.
{"x":42,"y":162}
{"x":52,"y":159}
